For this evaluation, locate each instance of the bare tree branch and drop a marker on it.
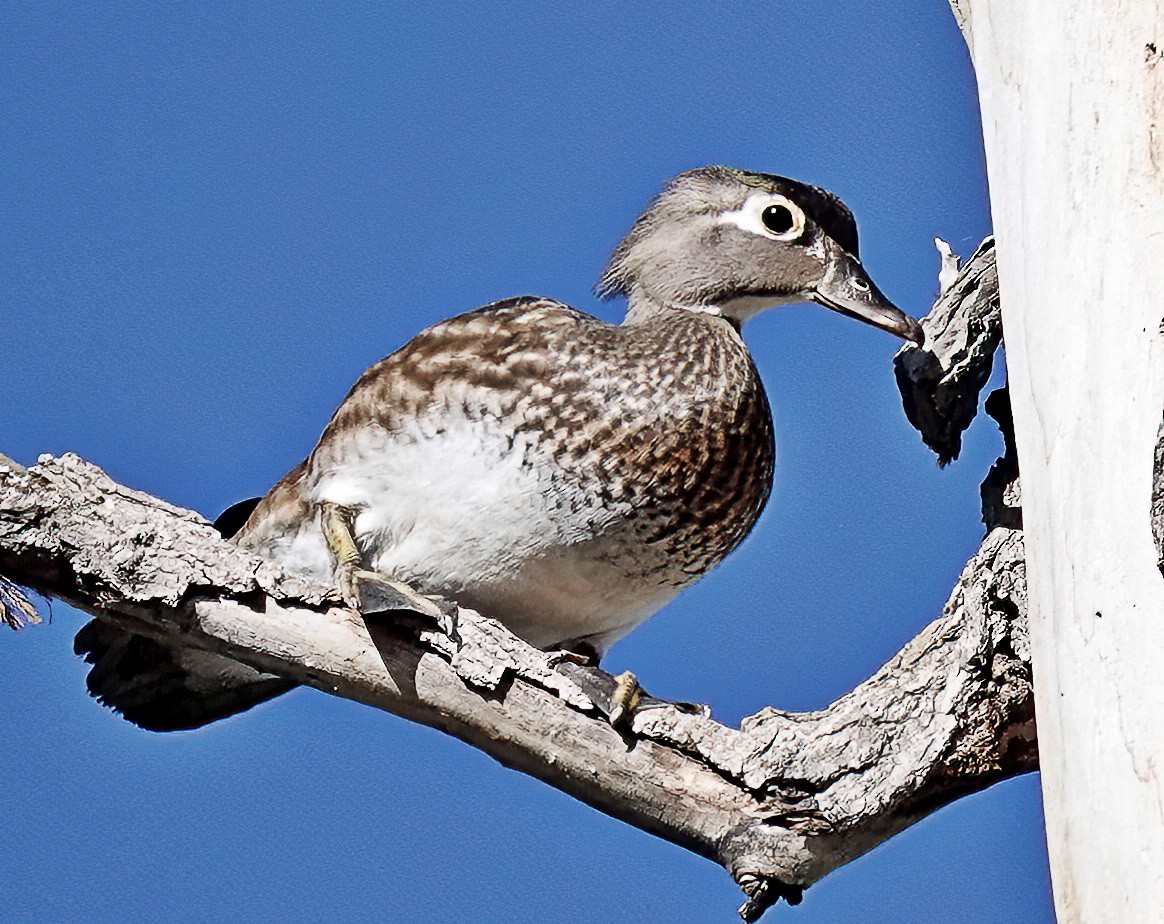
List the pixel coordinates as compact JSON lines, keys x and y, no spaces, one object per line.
{"x":779,"y":802}
{"x":941,"y":382}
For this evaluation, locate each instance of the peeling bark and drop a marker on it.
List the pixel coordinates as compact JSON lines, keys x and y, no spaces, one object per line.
{"x":779,"y":802}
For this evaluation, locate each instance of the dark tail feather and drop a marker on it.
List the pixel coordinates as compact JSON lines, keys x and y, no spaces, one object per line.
{"x":170,"y":688}
{"x":231,"y":520}
{"x":163,"y":688}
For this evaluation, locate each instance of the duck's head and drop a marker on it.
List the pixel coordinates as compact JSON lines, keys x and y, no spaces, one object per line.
{"x":732,"y":243}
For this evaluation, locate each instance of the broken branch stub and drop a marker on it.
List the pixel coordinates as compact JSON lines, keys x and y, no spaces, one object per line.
{"x":941,"y":381}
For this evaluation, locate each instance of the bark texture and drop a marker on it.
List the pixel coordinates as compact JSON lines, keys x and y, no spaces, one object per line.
{"x":1072,"y":97}
{"x":779,"y":802}
{"x":940,"y":385}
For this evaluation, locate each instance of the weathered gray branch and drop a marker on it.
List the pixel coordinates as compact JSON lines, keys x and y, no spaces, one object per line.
{"x":940,"y":384}
{"x":779,"y":802}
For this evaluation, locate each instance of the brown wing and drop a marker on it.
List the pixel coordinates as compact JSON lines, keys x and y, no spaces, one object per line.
{"x":483,"y":361}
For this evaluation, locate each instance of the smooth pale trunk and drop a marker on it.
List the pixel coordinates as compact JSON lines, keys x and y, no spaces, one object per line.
{"x":1072,"y":95}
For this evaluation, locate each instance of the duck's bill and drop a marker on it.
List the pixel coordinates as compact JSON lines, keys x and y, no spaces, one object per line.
{"x":848,"y":289}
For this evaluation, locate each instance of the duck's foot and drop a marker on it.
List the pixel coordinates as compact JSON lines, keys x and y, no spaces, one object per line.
{"x":618,"y":698}
{"x":369,"y":592}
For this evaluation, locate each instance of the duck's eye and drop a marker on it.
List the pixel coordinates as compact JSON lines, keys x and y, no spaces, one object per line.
{"x":778,"y":219}
{"x":770,"y":215}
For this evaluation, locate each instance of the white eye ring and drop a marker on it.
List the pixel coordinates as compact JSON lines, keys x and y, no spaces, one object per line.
{"x":768,"y":214}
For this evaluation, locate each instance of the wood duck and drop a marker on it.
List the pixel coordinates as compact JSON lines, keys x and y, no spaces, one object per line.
{"x":565,"y":476}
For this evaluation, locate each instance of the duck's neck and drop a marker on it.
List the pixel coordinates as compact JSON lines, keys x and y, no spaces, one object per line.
{"x":642,"y":309}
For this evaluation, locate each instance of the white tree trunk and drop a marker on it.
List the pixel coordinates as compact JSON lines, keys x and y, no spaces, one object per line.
{"x":1072,"y":96}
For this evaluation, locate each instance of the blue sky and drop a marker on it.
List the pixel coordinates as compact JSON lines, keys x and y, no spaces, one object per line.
{"x":213,"y":219}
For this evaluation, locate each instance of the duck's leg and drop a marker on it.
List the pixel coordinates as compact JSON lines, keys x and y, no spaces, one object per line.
{"x":617,"y":697}
{"x":350,"y":574}
{"x":629,"y":698}
{"x":626,"y":699}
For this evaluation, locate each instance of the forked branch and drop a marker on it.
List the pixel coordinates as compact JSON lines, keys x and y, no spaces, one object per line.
{"x":779,"y":802}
